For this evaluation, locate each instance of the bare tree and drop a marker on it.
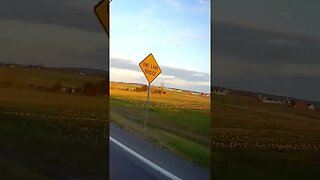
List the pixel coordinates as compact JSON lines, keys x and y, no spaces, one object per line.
{"x":162,"y":85}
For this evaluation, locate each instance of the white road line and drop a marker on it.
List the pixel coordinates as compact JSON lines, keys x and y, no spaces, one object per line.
{"x":153,"y":165}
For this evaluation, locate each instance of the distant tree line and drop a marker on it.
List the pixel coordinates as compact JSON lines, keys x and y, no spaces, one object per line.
{"x":144,"y":88}
{"x":159,"y":91}
{"x":89,"y":88}
{"x":96,"y":89}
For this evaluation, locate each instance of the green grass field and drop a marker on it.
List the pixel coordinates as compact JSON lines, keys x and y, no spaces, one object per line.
{"x":47,"y":135}
{"x":253,"y":140}
{"x":179,"y":122}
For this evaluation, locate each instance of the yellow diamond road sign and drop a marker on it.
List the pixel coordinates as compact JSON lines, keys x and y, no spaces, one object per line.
{"x":102,"y":11}
{"x":150,"y":68}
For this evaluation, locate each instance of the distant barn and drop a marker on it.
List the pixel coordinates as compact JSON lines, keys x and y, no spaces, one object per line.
{"x":299,"y":104}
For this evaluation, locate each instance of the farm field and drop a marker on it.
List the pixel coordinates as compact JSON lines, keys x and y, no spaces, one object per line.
{"x":254,"y":140}
{"x":46,"y":135}
{"x":177,"y":121}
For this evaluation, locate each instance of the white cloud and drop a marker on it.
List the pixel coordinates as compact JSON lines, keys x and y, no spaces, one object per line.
{"x":176,"y":82}
{"x":199,"y":74}
{"x":136,"y":76}
{"x":203,"y":1}
{"x":190,"y":34}
{"x":126,"y":75}
{"x":174,"y":3}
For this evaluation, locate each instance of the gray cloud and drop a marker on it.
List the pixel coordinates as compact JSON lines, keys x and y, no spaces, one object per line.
{"x":52,"y":45}
{"x":53,"y":33}
{"x":183,"y":74}
{"x":263,"y":46}
{"x":298,"y":86}
{"x":289,"y":16}
{"x":269,"y":46}
{"x":67,"y":13}
{"x":266,"y":61}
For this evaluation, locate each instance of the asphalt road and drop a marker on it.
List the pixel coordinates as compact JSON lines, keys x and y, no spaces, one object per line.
{"x":125,"y":166}
{"x":133,"y":157}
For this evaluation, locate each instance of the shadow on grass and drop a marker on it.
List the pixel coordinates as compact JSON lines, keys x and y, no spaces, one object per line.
{"x":265,"y":165}
{"x":41,"y":148}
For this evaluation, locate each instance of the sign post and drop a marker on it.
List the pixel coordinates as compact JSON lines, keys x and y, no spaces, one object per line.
{"x":151,"y":70}
{"x":146,"y":114}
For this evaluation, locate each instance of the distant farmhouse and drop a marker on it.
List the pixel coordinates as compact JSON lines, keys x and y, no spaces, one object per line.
{"x":200,"y":93}
{"x":173,"y":89}
{"x":186,"y":91}
{"x":220,"y":92}
{"x":299,"y":104}
{"x":270,"y":99}
{"x":289,"y":102}
{"x":311,"y":107}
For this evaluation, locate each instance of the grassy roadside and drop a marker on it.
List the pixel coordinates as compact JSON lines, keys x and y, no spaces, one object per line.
{"x":185,"y":132}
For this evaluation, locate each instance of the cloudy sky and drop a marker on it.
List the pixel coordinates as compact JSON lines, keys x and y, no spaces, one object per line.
{"x":176,"y":32}
{"x":52,"y":33}
{"x":67,"y":33}
{"x":271,"y":46}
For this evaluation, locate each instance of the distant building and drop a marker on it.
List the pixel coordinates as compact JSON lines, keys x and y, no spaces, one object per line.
{"x":271,"y":101}
{"x":299,"y":104}
{"x":172,"y":89}
{"x":311,"y":107}
{"x":220,"y":92}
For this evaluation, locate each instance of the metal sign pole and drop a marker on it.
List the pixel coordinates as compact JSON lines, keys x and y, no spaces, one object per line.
{"x":146,"y":114}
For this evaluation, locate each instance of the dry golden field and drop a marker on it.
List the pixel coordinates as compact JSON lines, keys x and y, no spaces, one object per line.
{"x":183,"y":100}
